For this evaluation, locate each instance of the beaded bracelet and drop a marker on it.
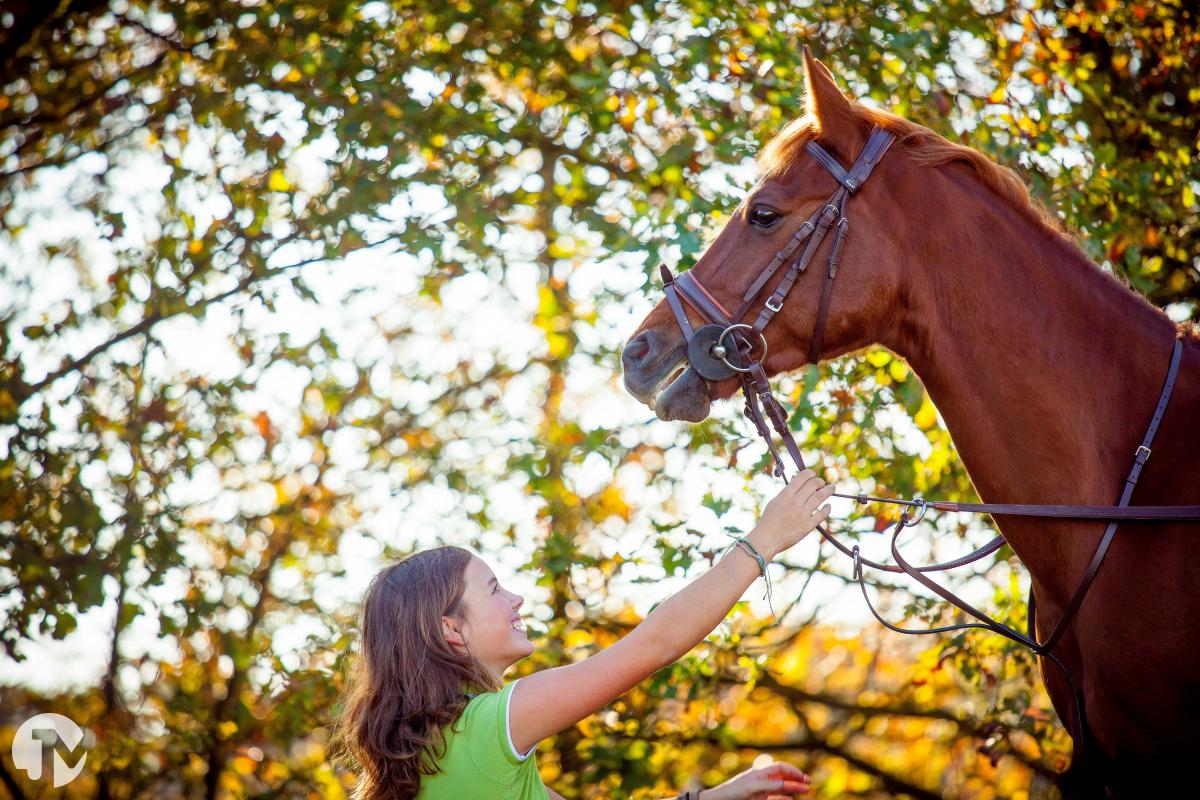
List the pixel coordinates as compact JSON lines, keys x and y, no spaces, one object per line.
{"x":762,"y":566}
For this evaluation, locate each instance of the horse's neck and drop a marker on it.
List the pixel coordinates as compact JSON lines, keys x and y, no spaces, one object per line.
{"x":1045,"y":369}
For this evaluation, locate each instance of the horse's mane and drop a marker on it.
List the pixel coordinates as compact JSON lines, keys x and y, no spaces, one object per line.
{"x":924,"y":146}
{"x":928,"y":148}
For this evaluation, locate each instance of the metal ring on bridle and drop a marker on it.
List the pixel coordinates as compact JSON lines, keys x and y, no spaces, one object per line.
{"x":923,"y":506}
{"x":720,"y":352}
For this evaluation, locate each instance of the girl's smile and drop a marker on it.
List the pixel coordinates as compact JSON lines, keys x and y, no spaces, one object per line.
{"x":491,"y":628}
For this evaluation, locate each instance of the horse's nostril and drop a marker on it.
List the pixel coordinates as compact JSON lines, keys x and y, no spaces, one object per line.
{"x":638,"y":349}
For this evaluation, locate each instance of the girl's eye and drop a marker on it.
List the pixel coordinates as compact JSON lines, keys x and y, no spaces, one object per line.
{"x":763,"y":217}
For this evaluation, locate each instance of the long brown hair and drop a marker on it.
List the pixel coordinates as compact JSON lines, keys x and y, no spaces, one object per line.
{"x":407,"y":681}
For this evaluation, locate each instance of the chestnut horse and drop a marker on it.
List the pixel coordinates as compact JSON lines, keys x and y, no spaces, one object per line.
{"x":1046,"y":371}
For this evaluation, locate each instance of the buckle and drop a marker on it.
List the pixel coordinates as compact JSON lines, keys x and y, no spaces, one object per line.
{"x":1141,"y":454}
{"x":773,"y":304}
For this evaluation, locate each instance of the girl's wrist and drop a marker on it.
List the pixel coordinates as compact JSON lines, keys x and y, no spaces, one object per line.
{"x":762,"y":544}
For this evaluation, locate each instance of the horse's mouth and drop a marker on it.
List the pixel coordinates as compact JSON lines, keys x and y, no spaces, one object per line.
{"x":665,"y":383}
{"x":682,"y":395}
{"x":669,"y":385}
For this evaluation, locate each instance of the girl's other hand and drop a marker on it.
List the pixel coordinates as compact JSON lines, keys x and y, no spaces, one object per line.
{"x":778,"y":781}
{"x":793,"y":514}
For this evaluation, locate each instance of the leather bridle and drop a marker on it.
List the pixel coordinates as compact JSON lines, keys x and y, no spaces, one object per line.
{"x":726,"y":346}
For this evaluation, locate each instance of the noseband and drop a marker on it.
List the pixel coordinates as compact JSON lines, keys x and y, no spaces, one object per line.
{"x":727,"y":345}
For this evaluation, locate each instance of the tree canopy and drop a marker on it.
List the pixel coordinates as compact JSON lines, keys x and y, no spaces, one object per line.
{"x":288,"y":289}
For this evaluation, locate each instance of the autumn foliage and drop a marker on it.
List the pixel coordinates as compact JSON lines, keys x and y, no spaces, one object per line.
{"x":289,"y":289}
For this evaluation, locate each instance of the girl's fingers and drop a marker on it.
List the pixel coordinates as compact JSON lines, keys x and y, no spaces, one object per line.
{"x":807,"y":486}
{"x":815,"y":486}
{"x":821,"y":495}
{"x":793,"y":787}
{"x":799,"y":478}
{"x":784,"y":780}
{"x":784,"y":785}
{"x":783,"y":769}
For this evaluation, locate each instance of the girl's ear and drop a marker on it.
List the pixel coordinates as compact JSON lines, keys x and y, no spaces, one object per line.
{"x":451,"y":632}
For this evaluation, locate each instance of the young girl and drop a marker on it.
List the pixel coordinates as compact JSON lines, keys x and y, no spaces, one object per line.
{"x":429,"y":716}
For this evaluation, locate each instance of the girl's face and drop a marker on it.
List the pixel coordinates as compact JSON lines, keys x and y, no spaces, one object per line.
{"x":491,"y":629}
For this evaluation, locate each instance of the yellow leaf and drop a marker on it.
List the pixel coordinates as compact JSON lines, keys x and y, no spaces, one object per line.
{"x":610,"y":502}
{"x":558,"y":344}
{"x":577,"y":638}
{"x":563,"y":247}
{"x":580,"y":50}
{"x":926,"y":417}
{"x":278,"y":182}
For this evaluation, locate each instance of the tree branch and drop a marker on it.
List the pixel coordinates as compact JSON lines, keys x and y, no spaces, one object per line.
{"x":23,"y":392}
{"x":85,"y":100}
{"x":976,"y":728}
{"x":813,"y":742}
{"x":10,"y":783}
{"x":62,"y":161}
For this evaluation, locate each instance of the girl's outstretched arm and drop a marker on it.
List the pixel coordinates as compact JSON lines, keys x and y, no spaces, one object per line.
{"x":552,"y":700}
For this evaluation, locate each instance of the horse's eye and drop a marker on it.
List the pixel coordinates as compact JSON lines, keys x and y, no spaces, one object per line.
{"x":763,"y":217}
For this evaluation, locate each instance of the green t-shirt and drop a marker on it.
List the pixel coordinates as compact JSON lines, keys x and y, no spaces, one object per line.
{"x":481,"y":761}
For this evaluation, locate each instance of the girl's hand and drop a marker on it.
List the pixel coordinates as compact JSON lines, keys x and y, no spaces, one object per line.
{"x":793,"y":514}
{"x":778,"y":781}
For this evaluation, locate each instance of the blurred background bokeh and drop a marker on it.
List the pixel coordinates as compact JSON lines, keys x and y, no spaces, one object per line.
{"x":292,"y":289}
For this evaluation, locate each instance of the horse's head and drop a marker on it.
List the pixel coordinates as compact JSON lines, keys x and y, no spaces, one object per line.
{"x":793,"y":186}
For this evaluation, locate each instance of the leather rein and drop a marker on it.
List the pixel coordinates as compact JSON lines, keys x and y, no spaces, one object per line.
{"x":726,"y":346}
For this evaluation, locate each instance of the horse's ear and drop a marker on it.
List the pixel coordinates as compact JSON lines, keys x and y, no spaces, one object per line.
{"x":832,"y":110}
